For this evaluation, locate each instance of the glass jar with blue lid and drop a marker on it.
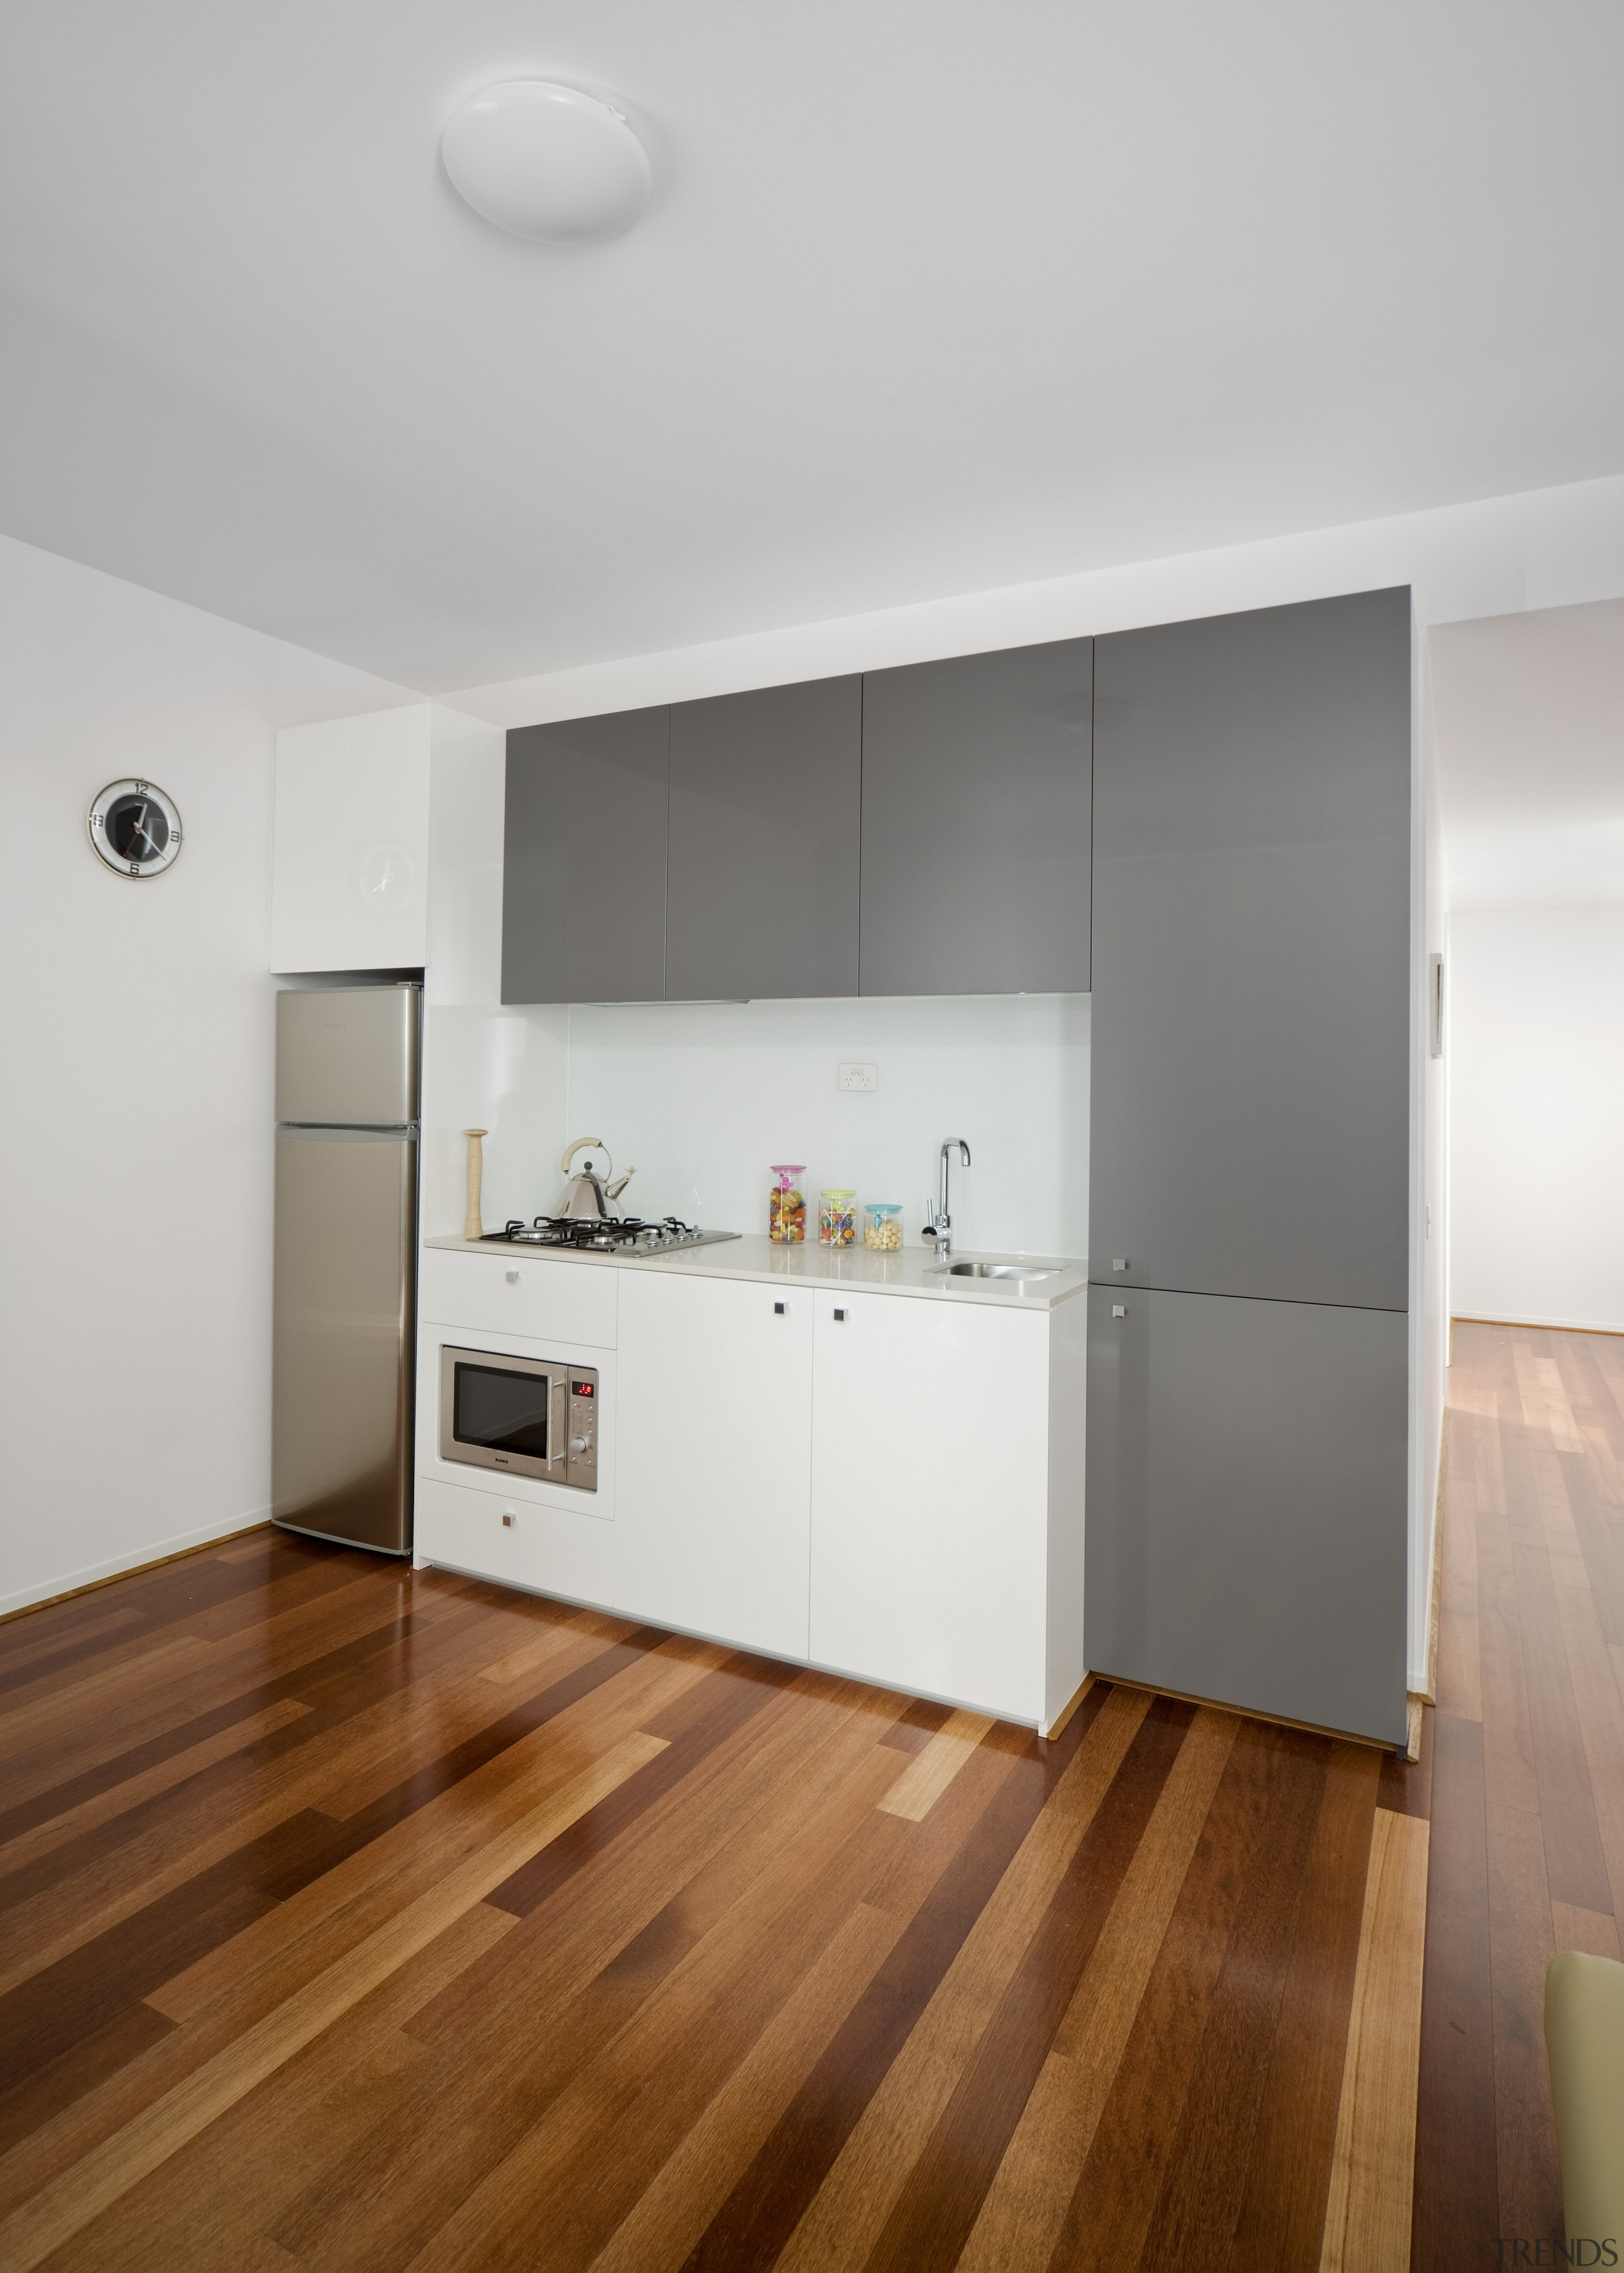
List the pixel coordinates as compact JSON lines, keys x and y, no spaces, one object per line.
{"x":882,"y":1224}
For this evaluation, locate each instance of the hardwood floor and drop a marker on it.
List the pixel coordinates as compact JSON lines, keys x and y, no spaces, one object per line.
{"x":355,"y":1919}
{"x":1525,"y":1755}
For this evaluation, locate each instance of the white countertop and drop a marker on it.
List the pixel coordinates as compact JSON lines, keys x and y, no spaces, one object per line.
{"x":913,"y":1270}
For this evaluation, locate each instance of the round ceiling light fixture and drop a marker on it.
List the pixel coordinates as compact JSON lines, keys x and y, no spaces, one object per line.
{"x":547,"y":161}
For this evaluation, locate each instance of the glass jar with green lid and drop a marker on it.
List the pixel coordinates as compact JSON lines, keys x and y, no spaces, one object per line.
{"x":837,"y":1219}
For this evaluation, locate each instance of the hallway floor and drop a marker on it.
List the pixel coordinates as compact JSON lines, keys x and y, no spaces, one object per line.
{"x":1524,"y":1760}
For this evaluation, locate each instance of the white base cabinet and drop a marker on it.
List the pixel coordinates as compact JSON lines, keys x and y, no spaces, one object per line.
{"x":887,"y":1487}
{"x":930,"y":1497}
{"x":714,"y":1492}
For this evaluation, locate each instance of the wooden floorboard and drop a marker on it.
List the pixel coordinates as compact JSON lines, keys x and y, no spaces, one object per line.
{"x":1367,"y":2220}
{"x":353,"y":1917}
{"x":1526,"y":1770}
{"x":1283,"y":2212}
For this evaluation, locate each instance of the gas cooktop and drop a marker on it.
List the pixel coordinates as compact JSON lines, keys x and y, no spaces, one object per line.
{"x":627,"y":1235}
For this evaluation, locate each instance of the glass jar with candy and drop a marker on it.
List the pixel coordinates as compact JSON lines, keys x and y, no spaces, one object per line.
{"x":786,"y":1206}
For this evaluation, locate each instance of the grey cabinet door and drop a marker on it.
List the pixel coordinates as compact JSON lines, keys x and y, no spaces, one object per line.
{"x":1251,"y":1015}
{"x":583,"y":866}
{"x":761,"y":893}
{"x":975,"y":786}
{"x":1245,"y":1504}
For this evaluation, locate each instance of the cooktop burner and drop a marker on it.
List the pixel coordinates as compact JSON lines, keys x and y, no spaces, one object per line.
{"x":627,"y":1234}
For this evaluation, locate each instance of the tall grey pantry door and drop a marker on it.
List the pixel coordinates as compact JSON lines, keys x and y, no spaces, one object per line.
{"x":342,"y":1342}
{"x":762,"y":891}
{"x":976,"y":784}
{"x":583,"y":866}
{"x":1249,"y":1163}
{"x":1245,"y":1509}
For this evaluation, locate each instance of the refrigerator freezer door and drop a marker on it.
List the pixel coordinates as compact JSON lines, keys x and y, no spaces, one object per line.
{"x":348,"y":1054}
{"x":344,"y":1334}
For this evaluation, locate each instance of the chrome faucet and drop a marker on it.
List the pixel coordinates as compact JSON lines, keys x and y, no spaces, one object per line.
{"x":939,"y":1222}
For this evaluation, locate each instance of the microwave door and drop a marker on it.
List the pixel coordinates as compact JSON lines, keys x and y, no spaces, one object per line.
{"x":501,"y":1412}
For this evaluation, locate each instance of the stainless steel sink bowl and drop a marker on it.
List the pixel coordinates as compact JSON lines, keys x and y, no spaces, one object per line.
{"x":1027,"y":1271}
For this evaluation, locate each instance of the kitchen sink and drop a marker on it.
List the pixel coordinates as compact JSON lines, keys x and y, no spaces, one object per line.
{"x":1027,"y":1271}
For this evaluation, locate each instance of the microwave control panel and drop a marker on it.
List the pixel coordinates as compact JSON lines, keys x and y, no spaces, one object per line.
{"x":580,"y":1441}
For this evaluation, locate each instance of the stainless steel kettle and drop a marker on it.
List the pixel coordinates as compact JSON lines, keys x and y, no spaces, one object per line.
{"x":588,"y":1192}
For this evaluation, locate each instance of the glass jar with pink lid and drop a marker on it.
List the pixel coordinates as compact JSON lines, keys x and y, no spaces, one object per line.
{"x":786,"y":1206}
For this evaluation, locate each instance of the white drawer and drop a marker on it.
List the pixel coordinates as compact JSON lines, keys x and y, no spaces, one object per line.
{"x":550,"y":1550}
{"x":569,"y":1303}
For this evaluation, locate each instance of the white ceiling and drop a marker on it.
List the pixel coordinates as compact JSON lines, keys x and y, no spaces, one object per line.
{"x":931,"y":296}
{"x":1527,"y":719}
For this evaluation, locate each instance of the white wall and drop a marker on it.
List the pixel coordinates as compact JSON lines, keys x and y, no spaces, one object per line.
{"x":1536,"y":1066}
{"x":136,"y":1032}
{"x":705,"y":1097}
{"x":484,"y":1066}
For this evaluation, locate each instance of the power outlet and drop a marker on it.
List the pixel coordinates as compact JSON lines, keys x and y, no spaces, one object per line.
{"x":860,"y":1080}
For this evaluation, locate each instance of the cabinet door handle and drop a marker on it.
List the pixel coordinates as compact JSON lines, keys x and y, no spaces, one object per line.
{"x":840,"y":1315}
{"x":512,"y":1278}
{"x":1118,"y":1261}
{"x":1119,"y":1310}
{"x":779,"y":1310}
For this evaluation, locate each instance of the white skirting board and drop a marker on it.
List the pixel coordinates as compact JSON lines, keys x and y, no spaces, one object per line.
{"x":154,"y":1551}
{"x":1551,"y":1325}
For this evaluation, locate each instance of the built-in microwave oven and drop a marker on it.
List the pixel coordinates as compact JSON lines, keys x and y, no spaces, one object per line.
{"x":525,"y":1417}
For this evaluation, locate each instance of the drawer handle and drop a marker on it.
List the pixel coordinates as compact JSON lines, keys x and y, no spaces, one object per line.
{"x":510,"y":1517}
{"x":512,"y":1278}
{"x":779,"y":1310}
{"x":1119,"y":1310}
{"x":840,"y":1315}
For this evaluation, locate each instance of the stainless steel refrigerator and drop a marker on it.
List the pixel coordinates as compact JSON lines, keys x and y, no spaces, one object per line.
{"x":344,"y":1344}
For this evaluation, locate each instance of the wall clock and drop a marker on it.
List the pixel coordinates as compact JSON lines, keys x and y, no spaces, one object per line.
{"x":136,"y":827}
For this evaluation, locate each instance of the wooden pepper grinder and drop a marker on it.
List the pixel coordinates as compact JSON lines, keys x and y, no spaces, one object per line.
{"x":473,"y":1227}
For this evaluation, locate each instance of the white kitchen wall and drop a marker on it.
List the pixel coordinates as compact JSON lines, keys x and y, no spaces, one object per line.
{"x":703,"y":1097}
{"x":1536,"y":1069}
{"x":505,"y":1072}
{"x":136,"y":1032}
{"x":485,"y":1065}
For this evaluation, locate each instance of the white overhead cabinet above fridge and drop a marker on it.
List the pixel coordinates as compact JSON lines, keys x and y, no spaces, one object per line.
{"x":351,"y":864}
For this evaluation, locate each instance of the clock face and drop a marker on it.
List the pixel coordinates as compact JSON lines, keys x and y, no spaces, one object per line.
{"x":135,"y":827}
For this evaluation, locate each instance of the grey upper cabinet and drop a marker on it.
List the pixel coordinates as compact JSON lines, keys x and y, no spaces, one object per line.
{"x":1251,"y":1015}
{"x":766,"y":814}
{"x":976,"y":792}
{"x":583,"y":869}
